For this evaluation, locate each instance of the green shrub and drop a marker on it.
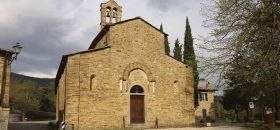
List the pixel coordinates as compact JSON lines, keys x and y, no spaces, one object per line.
{"x":40,"y":115}
{"x":52,"y":126}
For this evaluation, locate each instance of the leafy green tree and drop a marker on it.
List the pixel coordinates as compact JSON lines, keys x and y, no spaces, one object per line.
{"x":247,"y":32}
{"x":222,"y":114}
{"x":31,"y":96}
{"x":47,"y":103}
{"x":25,"y":97}
{"x":189,"y":58}
{"x":166,"y":43}
{"x":232,"y":100}
{"x":177,"y":50}
{"x":161,"y":28}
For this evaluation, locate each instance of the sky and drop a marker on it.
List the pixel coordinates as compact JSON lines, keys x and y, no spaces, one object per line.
{"x":48,"y":29}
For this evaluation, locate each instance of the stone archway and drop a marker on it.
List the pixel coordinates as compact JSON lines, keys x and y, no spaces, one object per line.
{"x":140,"y":66}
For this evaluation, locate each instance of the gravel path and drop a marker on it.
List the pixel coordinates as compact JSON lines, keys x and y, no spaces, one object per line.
{"x":42,"y":125}
{"x":29,"y":125}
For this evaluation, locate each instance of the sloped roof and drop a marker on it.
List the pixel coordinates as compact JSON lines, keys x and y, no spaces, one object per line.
{"x":206,"y":90}
{"x":103,"y":32}
{"x":111,"y":1}
{"x":205,"y":86}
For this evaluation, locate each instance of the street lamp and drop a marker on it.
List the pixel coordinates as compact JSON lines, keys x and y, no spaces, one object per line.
{"x":16,"y":50}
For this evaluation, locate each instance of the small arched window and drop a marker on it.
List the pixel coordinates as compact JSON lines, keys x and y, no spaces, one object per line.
{"x":137,"y":89}
{"x":92,"y":82}
{"x":176,"y":85}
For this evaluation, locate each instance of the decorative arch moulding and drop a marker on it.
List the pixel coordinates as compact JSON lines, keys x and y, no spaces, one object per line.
{"x":137,"y":65}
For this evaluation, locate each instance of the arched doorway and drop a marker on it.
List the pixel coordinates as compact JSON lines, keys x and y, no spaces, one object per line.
{"x":137,"y":106}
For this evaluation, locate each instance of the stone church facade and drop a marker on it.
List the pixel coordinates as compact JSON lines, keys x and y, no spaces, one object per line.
{"x":124,"y":79}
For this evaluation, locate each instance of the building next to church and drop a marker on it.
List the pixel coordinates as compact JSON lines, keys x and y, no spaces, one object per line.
{"x":124,"y":79}
{"x":205,"y":112}
{"x":5,"y":68}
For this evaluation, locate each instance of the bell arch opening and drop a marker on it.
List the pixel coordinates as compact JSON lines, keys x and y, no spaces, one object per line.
{"x":114,"y":15}
{"x":108,"y":13}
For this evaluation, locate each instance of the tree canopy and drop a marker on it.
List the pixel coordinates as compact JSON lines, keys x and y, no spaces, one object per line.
{"x":31,"y":94}
{"x":245,"y":46}
{"x":177,"y":50}
{"x":166,"y":43}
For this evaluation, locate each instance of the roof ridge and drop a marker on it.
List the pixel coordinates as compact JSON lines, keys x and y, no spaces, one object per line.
{"x":106,"y":28}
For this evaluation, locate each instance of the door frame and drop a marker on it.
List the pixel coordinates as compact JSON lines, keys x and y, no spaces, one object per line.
{"x":204,"y":115}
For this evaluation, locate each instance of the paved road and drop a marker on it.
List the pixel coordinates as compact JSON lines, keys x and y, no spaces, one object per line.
{"x":29,"y":125}
{"x":42,"y":125}
{"x":209,"y":128}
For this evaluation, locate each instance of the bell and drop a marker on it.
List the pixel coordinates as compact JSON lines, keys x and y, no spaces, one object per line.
{"x":114,"y":14}
{"x":108,"y":14}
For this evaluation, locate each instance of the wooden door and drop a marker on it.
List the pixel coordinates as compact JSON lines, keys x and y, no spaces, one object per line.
{"x":137,"y":112}
{"x":204,"y":114}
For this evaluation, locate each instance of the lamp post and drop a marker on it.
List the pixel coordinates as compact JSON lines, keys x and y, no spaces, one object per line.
{"x":16,"y":50}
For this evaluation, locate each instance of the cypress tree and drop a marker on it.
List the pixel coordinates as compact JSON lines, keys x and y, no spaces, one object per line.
{"x":166,"y":43}
{"x":177,"y":50}
{"x":161,"y":28}
{"x":189,"y":58}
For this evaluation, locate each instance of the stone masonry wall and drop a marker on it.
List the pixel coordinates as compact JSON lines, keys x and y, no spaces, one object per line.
{"x":4,"y":118}
{"x":5,"y":86}
{"x":4,"y":106}
{"x":72,"y":90}
{"x":81,"y":96}
{"x":60,"y":97}
{"x":1,"y":72}
{"x":98,"y":102}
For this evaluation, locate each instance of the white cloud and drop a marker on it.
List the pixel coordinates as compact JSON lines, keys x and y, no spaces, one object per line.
{"x":51,"y":74}
{"x":49,"y":29}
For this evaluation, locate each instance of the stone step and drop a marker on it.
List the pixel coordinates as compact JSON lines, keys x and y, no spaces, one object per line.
{"x":138,"y":126}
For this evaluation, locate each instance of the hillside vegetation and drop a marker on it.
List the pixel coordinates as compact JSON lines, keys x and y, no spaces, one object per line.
{"x":29,"y":95}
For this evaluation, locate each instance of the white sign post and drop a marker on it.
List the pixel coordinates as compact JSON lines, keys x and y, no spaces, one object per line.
{"x":251,"y":105}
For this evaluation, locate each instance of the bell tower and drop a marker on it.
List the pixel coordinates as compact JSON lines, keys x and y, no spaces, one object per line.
{"x":111,"y":13}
